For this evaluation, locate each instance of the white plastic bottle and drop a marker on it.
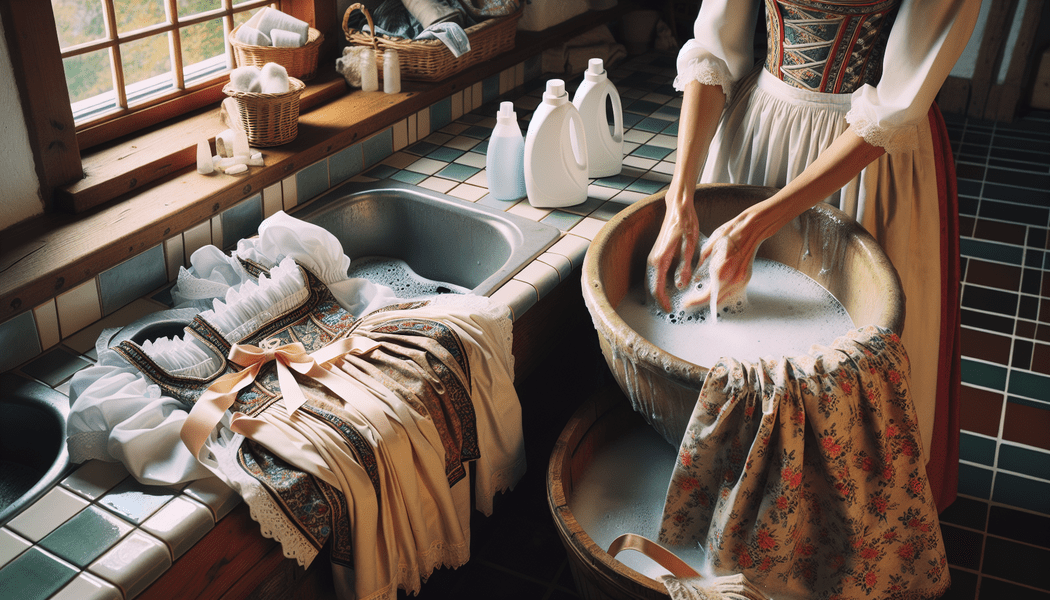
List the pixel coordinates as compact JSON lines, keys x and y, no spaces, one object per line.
{"x":604,"y":139}
{"x":556,"y":151}
{"x":505,"y":157}
{"x":391,"y":72}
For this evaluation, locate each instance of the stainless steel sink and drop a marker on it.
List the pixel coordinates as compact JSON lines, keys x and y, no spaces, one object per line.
{"x":33,"y":453}
{"x":440,"y":237}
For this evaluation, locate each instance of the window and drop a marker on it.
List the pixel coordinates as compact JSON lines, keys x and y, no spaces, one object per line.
{"x":121,"y":56}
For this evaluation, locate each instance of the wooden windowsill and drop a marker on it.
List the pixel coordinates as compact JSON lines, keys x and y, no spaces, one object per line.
{"x":51,"y":254}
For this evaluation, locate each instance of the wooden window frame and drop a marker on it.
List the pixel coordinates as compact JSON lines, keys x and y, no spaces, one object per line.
{"x":32,"y":41}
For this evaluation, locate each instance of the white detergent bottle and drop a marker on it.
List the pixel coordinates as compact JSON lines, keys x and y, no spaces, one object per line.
{"x":604,"y":139}
{"x":505,"y":157}
{"x":556,"y":151}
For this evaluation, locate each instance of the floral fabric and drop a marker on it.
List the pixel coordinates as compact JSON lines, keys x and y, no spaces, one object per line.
{"x":806,"y":475}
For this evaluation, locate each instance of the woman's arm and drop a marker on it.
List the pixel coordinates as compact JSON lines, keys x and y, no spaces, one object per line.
{"x":701,"y":108}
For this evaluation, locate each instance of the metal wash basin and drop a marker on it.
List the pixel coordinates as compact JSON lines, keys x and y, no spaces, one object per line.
{"x":33,"y":453}
{"x":440,"y":237}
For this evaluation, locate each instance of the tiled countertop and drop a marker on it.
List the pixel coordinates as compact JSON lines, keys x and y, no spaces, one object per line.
{"x":101,"y":535}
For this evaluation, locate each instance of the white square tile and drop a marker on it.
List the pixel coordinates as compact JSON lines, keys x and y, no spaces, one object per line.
{"x":439,"y":185}
{"x":180,"y":524}
{"x":541,"y":276}
{"x":11,"y":545}
{"x":78,"y":308}
{"x":558,"y":262}
{"x":524,"y":209}
{"x":470,"y":193}
{"x":479,"y":179}
{"x":47,"y":513}
{"x":195,"y":238}
{"x":214,"y":494}
{"x":289,"y":192}
{"x":518,"y":295}
{"x":636,"y":136}
{"x":657,"y":98}
{"x":95,"y":477}
{"x":629,"y":197}
{"x":46,"y":316}
{"x":438,"y":138}
{"x":86,"y":586}
{"x":273,"y":200}
{"x":427,"y":166}
{"x":462,"y":142}
{"x":399,"y":160}
{"x":639,"y":163}
{"x":629,"y":147}
{"x":472,"y":159}
{"x":664,"y":167}
{"x":400,"y":134}
{"x":174,"y":255}
{"x":572,"y":247}
{"x":600,"y":192}
{"x":134,"y":563}
{"x":423,"y":123}
{"x":663,"y":140}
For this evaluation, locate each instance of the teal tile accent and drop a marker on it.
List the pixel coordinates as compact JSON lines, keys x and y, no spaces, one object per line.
{"x":1021,"y":492}
{"x":651,"y":125}
{"x":1025,"y":461}
{"x":410,"y":177}
{"x":132,"y":279}
{"x":86,"y":536}
{"x":669,"y":113}
{"x":653,"y":152}
{"x":312,"y":181}
{"x":984,"y":374}
{"x":55,"y":367}
{"x":458,"y":172}
{"x":34,"y":575}
{"x":1016,"y":562}
{"x":381,"y":172}
{"x":975,"y":481}
{"x":345,"y":164}
{"x":481,"y":148}
{"x":378,"y":147}
{"x":642,"y":107}
{"x":1029,"y":402}
{"x":562,"y":220}
{"x":671,"y":129}
{"x":647,"y":186}
{"x":242,"y":221}
{"x":490,"y":88}
{"x":585,"y":208}
{"x":135,"y":501}
{"x":617,"y":182}
{"x":19,"y":339}
{"x":446,"y":154}
{"x":440,"y":113}
{"x":1032,"y":385}
{"x":991,"y":251}
{"x":977,"y":449}
{"x":478,"y":132}
{"x":422,"y":148}
{"x":631,"y":119}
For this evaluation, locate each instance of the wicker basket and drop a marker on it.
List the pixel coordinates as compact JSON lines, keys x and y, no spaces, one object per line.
{"x":300,"y":63}
{"x":431,"y":60}
{"x":269,"y":119}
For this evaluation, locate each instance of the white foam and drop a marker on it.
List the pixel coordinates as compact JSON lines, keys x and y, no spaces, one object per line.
{"x":785,"y":314}
{"x":397,"y":275}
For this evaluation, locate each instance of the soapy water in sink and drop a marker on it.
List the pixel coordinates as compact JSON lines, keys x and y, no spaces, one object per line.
{"x":786,"y":313}
{"x":400,"y":277}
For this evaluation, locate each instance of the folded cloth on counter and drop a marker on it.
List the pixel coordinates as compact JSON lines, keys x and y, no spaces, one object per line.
{"x":393,"y":19}
{"x":487,"y":9}
{"x":343,"y":415}
{"x":806,"y":475}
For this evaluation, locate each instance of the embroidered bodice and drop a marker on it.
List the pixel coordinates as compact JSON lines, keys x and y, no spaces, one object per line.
{"x":827,"y":46}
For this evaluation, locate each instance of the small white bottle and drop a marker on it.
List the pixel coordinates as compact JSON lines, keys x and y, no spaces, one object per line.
{"x":391,"y":72}
{"x":369,"y":71}
{"x":556,"y":151}
{"x":604,"y":139}
{"x":505,"y":157}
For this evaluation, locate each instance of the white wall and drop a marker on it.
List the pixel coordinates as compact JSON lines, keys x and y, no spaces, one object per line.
{"x":19,"y":186}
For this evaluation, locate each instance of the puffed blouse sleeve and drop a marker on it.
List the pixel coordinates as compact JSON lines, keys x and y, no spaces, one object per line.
{"x":721,"y":51}
{"x":927,"y":38}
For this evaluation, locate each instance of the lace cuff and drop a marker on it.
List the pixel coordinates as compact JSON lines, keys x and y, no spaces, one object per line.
{"x":892,"y":139}
{"x":707,"y":71}
{"x":89,"y":445}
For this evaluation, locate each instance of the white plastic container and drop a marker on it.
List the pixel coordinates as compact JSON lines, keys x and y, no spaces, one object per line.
{"x":604,"y":139}
{"x":556,"y":151}
{"x":391,"y":72}
{"x":505,"y":157}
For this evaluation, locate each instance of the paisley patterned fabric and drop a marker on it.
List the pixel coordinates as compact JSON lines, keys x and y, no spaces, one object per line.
{"x":805,"y":474}
{"x":831,"y":47}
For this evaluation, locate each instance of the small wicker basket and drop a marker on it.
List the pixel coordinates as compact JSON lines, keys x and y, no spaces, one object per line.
{"x":431,"y":60}
{"x":300,"y":63}
{"x":268,"y":119}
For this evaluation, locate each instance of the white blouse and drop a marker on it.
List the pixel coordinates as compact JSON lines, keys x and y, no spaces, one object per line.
{"x":927,"y":38}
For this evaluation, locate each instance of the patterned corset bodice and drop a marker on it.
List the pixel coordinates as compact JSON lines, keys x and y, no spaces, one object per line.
{"x":827,"y":46}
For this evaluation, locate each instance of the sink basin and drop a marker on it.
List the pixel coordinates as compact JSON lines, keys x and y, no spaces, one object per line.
{"x":441,"y":238}
{"x":33,"y":453}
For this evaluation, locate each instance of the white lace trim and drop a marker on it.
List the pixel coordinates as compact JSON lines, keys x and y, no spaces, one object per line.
{"x":254,"y":303}
{"x":271,"y":519}
{"x":87,"y":445}
{"x":501,"y":481}
{"x":892,"y":139}
{"x":708,"y":72}
{"x":497,"y":312}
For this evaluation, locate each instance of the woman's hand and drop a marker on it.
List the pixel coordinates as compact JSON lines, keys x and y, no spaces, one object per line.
{"x":729,"y":257}
{"x":678,"y":237}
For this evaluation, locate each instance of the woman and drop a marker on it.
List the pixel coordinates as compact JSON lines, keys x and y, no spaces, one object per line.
{"x":841,"y":110}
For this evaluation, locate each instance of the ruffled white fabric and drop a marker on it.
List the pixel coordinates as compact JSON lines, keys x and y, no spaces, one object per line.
{"x":924,"y":44}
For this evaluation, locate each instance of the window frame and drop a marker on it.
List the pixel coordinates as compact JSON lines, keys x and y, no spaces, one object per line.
{"x":33,"y":45}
